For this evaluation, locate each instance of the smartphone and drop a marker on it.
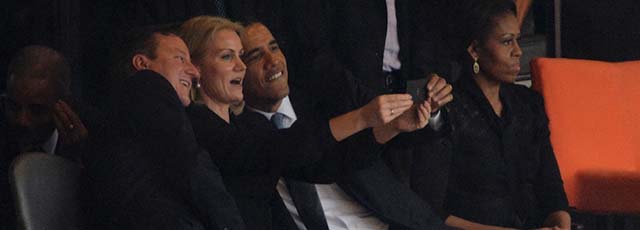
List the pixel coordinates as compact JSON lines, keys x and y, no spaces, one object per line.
{"x":418,"y":89}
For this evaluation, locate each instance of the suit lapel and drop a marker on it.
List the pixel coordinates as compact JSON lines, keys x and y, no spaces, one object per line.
{"x":304,"y":195}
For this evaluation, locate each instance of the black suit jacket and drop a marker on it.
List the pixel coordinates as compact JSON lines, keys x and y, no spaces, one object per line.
{"x":148,"y":172}
{"x":500,"y":170}
{"x":253,"y":155}
{"x":361,"y":172}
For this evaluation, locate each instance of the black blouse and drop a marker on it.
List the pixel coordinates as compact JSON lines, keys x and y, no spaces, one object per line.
{"x":252,"y":160}
{"x":502,"y":169}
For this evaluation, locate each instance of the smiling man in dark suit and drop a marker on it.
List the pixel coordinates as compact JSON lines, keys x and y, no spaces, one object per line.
{"x":366,"y":195}
{"x":149,"y":172}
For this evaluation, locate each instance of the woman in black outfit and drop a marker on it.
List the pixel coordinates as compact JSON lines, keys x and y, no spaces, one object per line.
{"x":252,"y":160}
{"x":502,"y":170}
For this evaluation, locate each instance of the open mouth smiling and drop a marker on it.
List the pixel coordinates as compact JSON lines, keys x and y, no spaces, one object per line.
{"x":185,"y":83}
{"x":236,"y":81}
{"x":275,"y":76}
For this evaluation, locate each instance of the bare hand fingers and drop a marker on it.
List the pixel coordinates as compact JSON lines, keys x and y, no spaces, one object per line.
{"x":59,"y":123}
{"x":60,"y":113}
{"x":437,"y":87}
{"x":387,"y":98}
{"x":434,"y":78}
{"x":396,"y":105}
{"x":424,"y":113}
{"x":70,"y":126}
{"x":73,"y":117}
{"x":436,"y":104}
{"x":393,"y":113}
{"x":445,"y":90}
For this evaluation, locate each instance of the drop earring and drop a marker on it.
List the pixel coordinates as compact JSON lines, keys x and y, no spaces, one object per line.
{"x":476,"y":66}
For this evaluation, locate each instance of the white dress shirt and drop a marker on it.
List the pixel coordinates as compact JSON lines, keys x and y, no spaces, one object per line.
{"x":390,"y":60}
{"x":50,"y":145}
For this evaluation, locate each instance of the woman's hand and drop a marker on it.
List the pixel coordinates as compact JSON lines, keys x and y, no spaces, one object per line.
{"x":385,"y":108}
{"x":379,"y":111}
{"x":415,"y":118}
{"x":558,"y":220}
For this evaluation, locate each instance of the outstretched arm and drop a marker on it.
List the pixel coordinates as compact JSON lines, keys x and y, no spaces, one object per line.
{"x":379,"y":111}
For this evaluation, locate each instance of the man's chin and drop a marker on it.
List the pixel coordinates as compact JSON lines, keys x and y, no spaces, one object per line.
{"x":185,"y":101}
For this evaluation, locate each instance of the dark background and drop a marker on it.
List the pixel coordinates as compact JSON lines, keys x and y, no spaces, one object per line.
{"x":84,"y":31}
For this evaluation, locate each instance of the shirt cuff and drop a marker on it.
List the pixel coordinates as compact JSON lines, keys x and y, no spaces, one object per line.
{"x":435,"y":121}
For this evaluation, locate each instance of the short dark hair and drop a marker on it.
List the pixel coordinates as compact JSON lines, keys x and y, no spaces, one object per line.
{"x":40,"y":62}
{"x":475,"y":20}
{"x":141,"y":40}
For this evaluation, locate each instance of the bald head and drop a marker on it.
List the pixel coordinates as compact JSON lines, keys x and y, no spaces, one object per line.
{"x":38,"y":78}
{"x":42,"y":63}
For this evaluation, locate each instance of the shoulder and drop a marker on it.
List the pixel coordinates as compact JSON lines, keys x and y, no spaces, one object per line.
{"x":251,"y":120}
{"x":195,"y":110}
{"x":204,"y":121}
{"x":146,"y":91}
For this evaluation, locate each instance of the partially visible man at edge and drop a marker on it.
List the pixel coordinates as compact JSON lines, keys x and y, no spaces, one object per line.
{"x":37,"y":116}
{"x":151,"y":173}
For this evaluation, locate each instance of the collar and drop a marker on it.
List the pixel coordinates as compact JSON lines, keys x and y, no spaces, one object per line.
{"x":285,"y":108}
{"x":50,"y":145}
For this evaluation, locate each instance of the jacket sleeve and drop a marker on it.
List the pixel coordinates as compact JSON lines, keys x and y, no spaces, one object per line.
{"x":548,"y":185}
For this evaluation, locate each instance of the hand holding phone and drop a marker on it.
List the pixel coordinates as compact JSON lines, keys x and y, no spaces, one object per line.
{"x":417,"y":88}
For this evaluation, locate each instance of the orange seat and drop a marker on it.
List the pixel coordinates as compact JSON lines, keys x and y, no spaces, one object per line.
{"x":594,"y":118}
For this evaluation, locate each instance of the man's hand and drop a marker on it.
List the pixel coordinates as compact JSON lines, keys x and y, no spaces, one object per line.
{"x":558,"y":220}
{"x":439,"y":92}
{"x":71,"y":129}
{"x":385,"y":108}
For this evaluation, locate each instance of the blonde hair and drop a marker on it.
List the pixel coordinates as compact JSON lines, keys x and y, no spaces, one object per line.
{"x":196,"y":33}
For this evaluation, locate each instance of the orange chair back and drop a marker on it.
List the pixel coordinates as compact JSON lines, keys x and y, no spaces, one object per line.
{"x":594,"y":116}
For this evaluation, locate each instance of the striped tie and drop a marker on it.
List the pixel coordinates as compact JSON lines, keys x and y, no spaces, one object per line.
{"x":220,"y":8}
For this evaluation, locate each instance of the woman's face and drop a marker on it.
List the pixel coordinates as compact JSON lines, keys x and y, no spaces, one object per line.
{"x":499,"y":55}
{"x":221,"y":69}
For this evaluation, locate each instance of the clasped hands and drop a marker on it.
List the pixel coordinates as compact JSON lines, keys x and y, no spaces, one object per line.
{"x":399,"y":111}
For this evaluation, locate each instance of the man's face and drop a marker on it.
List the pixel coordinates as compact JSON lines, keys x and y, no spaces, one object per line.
{"x":266,"y":77}
{"x":173,"y":62}
{"x":29,"y":110}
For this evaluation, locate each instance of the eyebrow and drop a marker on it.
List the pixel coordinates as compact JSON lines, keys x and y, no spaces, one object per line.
{"x":180,"y":51}
{"x":255,"y":50}
{"x":512,"y":34}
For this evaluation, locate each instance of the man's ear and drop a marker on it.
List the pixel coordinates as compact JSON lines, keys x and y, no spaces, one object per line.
{"x":472,"y":50}
{"x":140,"y":62}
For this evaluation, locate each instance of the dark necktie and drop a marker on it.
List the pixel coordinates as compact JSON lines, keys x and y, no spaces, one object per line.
{"x":220,"y":8}
{"x":304,"y":195}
